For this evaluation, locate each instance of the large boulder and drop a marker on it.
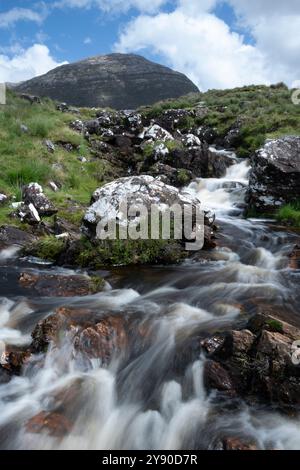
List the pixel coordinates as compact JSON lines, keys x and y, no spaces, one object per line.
{"x":142,"y":190}
{"x":275,"y":175}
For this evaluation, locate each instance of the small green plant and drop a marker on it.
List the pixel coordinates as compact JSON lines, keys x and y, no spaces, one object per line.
{"x":275,"y":325}
{"x":97,"y":284}
{"x":148,"y":150}
{"x":183,"y":177}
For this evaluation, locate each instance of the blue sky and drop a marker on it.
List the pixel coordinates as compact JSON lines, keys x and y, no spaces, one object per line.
{"x":73,"y":34}
{"x":217,"y":43}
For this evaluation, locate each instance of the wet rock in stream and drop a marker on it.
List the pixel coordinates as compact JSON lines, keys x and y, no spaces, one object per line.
{"x":256,"y":363}
{"x":56,"y":285}
{"x":53,"y":424}
{"x":294,"y":258}
{"x":92,"y":337}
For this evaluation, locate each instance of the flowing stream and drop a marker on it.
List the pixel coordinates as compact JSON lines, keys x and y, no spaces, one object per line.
{"x":154,"y":397}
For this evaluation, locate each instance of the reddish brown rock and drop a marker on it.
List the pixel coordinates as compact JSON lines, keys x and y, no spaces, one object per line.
{"x":54,"y":424}
{"x":294,"y":258}
{"x":45,"y":332}
{"x":257,"y":363}
{"x":216,"y":377}
{"x":103,"y":340}
{"x":242,"y":341}
{"x":234,"y":443}
{"x":15,"y":360}
{"x":68,"y":400}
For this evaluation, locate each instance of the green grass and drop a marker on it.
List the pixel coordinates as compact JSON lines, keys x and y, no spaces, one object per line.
{"x":28,"y":172}
{"x":25,"y":159}
{"x":290,"y":214}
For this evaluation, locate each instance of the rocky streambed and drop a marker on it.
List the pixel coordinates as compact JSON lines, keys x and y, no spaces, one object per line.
{"x":195,"y":355}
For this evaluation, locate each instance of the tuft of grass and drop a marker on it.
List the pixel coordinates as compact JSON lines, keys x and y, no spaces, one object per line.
{"x":275,"y":325}
{"x":41,"y":126}
{"x":290,"y":214}
{"x":48,"y":248}
{"x":183,"y":177}
{"x":28,"y":172}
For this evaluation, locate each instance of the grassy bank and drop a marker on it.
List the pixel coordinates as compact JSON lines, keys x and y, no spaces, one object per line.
{"x":24,"y":157}
{"x":262,"y":112}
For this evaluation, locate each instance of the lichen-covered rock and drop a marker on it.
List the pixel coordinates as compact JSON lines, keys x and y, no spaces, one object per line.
{"x":31,"y":98}
{"x":191,"y":140}
{"x":154,"y":132}
{"x":203,"y":161}
{"x":28,"y":214}
{"x":137,"y":190}
{"x":133,"y":121}
{"x":144,"y":190}
{"x":49,"y":146}
{"x":275,"y":175}
{"x":160,"y":152}
{"x":33,"y":194}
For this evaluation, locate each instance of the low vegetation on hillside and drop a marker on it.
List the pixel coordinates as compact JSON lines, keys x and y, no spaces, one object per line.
{"x":261,"y":112}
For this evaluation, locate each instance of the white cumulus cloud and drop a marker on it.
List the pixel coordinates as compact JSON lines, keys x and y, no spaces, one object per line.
{"x":201,"y":46}
{"x":193,"y":40}
{"x":34,"y":61}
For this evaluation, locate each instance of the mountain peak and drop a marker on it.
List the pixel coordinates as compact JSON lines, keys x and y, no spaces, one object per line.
{"x":119,"y":81}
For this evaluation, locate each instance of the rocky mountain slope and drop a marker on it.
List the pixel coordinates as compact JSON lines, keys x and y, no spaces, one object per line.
{"x":119,"y":81}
